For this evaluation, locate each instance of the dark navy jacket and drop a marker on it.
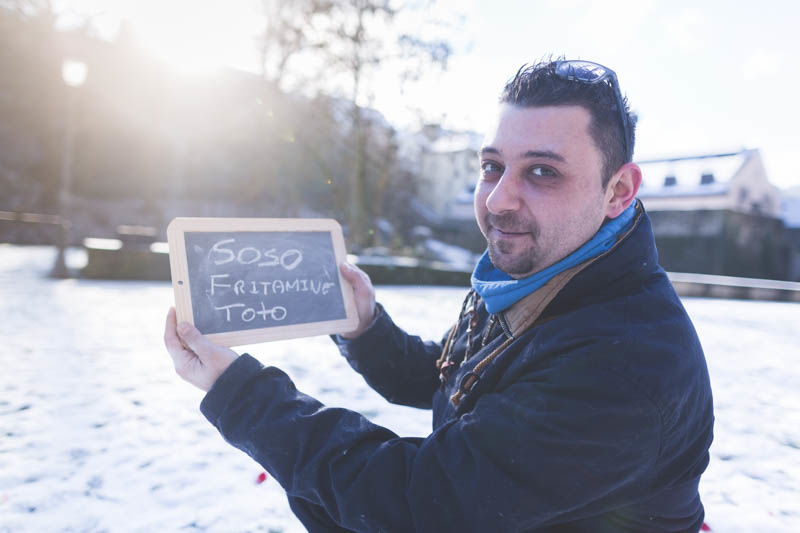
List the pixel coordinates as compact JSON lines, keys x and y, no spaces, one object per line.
{"x":598,"y":418}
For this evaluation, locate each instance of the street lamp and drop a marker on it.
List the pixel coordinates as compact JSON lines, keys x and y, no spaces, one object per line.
{"x":74,"y":75}
{"x":73,"y":72}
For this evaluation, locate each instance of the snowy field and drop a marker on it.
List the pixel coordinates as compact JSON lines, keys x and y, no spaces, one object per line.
{"x":97,"y":433}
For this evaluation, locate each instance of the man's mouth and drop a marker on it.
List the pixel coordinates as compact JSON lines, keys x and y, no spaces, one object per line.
{"x":509,"y":226}
{"x":508,"y":233}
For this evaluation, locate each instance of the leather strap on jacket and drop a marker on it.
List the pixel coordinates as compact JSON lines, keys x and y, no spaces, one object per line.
{"x":519,"y":317}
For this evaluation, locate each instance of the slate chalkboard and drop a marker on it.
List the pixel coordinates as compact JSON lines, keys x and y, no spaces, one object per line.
{"x":241,"y":281}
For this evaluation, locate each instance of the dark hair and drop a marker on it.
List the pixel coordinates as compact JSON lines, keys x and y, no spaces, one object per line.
{"x":538,"y":85}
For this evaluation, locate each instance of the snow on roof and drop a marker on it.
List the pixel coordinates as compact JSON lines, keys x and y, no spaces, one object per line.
{"x":686,"y":174}
{"x":457,"y":142}
{"x":445,"y":142}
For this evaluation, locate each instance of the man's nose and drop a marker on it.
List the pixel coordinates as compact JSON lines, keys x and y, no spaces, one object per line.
{"x":504,"y":197}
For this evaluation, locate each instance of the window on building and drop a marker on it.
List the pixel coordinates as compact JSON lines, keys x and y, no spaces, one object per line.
{"x":743,"y":194}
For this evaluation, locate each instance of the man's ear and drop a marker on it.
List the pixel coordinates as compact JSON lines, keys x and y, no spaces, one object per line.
{"x":622,"y":188}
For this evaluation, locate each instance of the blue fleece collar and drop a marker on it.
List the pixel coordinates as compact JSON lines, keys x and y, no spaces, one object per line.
{"x":500,"y":291}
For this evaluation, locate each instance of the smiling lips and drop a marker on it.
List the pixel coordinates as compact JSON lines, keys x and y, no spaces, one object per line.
{"x":505,"y":234}
{"x":509,"y":226}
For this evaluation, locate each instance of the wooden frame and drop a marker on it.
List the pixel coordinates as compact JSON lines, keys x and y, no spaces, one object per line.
{"x":180,"y":275}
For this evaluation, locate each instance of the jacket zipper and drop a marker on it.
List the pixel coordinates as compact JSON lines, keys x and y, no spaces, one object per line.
{"x":504,"y":325}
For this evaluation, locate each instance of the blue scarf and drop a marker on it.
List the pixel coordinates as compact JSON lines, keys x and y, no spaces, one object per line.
{"x":500,"y":291}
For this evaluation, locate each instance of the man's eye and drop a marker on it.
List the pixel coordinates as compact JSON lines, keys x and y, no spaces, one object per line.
{"x":488,"y":168}
{"x":546,"y":172}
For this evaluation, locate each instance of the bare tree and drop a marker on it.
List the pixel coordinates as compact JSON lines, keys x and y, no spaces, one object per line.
{"x":349,"y":40}
{"x":288,"y":32}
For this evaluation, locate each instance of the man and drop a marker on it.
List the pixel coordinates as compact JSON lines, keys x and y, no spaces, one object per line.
{"x":571,"y":395}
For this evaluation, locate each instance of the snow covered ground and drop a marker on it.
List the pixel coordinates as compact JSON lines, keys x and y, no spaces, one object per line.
{"x":97,"y":433}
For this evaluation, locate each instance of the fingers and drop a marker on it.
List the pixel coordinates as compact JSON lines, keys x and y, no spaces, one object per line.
{"x":182,"y":359}
{"x":193,"y":339}
{"x":364,"y":295}
{"x":197,"y":360}
{"x":362,"y":285}
{"x":357,"y":277}
{"x":171,"y":340}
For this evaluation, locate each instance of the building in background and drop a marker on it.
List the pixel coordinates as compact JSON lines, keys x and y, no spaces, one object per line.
{"x":716,"y":214}
{"x":733,"y":181}
{"x":448,"y":169}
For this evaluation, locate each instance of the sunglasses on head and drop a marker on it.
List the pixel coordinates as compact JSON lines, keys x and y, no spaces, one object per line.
{"x":591,"y":73}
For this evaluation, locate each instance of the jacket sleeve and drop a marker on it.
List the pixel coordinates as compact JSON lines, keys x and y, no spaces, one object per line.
{"x":399,"y":366}
{"x":550,"y":448}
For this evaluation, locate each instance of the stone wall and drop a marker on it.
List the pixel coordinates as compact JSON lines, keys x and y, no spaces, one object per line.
{"x":725,"y":243}
{"x":794,"y":253}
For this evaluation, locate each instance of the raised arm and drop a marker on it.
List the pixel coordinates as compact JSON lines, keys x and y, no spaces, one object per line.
{"x":399,"y":366}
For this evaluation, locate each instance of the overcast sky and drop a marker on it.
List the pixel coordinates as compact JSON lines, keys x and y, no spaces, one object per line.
{"x":704,"y":76}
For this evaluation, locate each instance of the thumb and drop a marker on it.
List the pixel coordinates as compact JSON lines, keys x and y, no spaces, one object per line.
{"x":354,"y":275}
{"x":193,"y":339}
{"x":349,"y":272}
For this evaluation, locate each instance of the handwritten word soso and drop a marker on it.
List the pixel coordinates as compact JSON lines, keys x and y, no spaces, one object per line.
{"x":248,"y":255}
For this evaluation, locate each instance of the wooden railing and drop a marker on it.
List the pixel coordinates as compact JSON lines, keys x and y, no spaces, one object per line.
{"x":36,"y":218}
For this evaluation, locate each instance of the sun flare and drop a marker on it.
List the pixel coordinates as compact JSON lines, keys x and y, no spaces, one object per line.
{"x":195,"y":36}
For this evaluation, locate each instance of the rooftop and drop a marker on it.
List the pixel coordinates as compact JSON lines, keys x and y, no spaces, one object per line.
{"x":699,"y":175}
{"x":450,"y":142}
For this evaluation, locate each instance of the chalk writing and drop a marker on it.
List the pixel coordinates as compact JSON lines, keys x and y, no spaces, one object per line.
{"x":264,"y":288}
{"x":245,"y":280}
{"x":289,"y":259}
{"x":249,"y":314}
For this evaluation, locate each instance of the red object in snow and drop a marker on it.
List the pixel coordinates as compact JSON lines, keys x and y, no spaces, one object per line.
{"x":262,"y":477}
{"x":705,"y":527}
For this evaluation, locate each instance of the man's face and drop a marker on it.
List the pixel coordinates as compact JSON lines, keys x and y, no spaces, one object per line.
{"x":539,"y":194}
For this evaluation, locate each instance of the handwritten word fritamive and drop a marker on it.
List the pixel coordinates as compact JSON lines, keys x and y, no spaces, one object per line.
{"x":264,"y":288}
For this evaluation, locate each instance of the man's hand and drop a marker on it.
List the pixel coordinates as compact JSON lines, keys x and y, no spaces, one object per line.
{"x":197,"y":360}
{"x":365,"y":298}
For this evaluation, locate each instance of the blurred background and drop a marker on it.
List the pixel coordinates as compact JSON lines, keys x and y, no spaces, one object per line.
{"x":118,"y":115}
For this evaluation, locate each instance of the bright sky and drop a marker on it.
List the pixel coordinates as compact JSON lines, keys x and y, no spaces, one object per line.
{"x":703,"y":76}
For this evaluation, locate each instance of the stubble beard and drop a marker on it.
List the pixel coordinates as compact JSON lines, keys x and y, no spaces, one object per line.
{"x":514,"y":258}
